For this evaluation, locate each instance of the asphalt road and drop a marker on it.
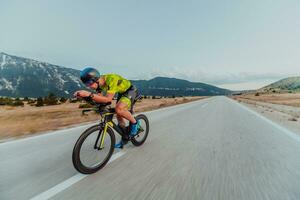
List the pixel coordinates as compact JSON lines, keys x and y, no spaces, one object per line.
{"x":209,"y":149}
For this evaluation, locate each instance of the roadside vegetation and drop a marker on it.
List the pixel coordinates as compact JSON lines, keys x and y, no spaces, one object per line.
{"x":51,"y":99}
{"x":288,"y":99}
{"x":11,"y":102}
{"x":56,"y":113}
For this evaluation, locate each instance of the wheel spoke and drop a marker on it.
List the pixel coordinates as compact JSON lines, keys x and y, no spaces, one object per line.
{"x":140,"y":138}
{"x":87,"y":158}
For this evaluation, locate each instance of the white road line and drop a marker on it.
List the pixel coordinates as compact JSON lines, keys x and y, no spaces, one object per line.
{"x":69,"y":182}
{"x":286,"y":131}
{"x":204,"y":105}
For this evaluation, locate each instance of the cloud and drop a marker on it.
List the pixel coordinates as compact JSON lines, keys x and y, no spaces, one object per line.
{"x":250,"y":85}
{"x":199,"y":75}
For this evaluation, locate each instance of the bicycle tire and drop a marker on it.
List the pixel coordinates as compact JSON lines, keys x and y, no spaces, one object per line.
{"x":79,"y":166}
{"x":133,"y":140}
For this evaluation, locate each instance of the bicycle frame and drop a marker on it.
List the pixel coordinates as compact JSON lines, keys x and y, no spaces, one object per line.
{"x":108,"y":122}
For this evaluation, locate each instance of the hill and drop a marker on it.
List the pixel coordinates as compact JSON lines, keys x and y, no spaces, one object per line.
{"x":20,"y":77}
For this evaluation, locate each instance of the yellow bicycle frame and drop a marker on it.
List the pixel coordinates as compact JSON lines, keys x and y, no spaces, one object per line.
{"x":107,"y":124}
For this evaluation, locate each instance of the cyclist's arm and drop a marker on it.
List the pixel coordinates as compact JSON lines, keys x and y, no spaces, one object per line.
{"x":99,"y":98}
{"x":113,"y":88}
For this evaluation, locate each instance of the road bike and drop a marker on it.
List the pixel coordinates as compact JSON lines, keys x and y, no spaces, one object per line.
{"x":96,"y":144}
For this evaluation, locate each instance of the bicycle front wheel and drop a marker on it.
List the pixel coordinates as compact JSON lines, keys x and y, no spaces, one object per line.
{"x":88,"y":157}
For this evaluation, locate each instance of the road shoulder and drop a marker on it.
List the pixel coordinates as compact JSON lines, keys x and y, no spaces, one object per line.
{"x":286,"y":116}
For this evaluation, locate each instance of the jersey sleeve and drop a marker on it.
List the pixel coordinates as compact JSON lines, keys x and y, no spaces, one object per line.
{"x":112,"y":85}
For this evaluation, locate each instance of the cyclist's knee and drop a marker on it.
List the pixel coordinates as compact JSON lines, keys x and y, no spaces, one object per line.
{"x":119,"y":110}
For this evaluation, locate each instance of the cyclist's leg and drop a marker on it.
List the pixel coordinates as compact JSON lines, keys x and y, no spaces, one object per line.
{"x":134,"y":126}
{"x":122,"y":109}
{"x":125,"y":104}
{"x":121,"y":121}
{"x":122,"y":112}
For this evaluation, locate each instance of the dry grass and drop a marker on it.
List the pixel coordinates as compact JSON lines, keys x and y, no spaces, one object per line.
{"x":22,"y":121}
{"x":281,"y":99}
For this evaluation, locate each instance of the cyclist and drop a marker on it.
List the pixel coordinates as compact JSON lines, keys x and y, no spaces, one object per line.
{"x":107,"y":86}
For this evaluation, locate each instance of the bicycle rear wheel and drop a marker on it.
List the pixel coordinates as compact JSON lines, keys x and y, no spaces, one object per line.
{"x":142,"y":135}
{"x":87,"y":157}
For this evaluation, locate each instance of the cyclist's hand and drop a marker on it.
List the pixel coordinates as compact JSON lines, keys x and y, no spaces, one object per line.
{"x":81,"y":93}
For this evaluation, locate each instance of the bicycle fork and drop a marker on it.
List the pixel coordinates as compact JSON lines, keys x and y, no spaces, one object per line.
{"x":104,"y":132}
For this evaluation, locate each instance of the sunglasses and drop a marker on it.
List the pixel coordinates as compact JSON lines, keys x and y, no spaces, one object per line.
{"x":89,"y":83}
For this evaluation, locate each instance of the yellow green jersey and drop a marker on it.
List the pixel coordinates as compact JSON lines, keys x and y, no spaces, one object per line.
{"x":115,"y":84}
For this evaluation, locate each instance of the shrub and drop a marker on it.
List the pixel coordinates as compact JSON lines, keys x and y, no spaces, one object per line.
{"x":62,"y":99}
{"x":5,"y":101}
{"x":10,"y":101}
{"x":293,"y":119}
{"x":39,"y":102}
{"x":17,"y":103}
{"x":51,"y":99}
{"x":256,"y":94}
{"x":31,"y":101}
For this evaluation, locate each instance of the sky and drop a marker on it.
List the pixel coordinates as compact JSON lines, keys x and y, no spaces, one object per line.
{"x":235,"y":44}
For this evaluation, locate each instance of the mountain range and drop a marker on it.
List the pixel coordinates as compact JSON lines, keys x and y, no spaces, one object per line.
{"x":20,"y":77}
{"x":283,"y":85}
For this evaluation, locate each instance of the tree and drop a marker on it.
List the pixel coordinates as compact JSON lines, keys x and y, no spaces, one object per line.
{"x":6,"y":101}
{"x":39,"y":102}
{"x":31,"y":101}
{"x":51,"y":99}
{"x":18,"y":102}
{"x":62,"y":99}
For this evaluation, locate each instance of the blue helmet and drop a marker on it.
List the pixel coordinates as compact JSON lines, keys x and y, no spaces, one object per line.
{"x":89,"y":75}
